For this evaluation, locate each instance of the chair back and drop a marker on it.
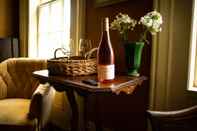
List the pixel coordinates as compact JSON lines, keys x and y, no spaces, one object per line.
{"x":17,"y":76}
{"x":179,"y":120}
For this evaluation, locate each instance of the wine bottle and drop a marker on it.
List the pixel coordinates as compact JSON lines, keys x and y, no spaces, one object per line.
{"x":105,"y":55}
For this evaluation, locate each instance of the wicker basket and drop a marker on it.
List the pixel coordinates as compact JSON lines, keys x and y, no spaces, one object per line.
{"x":72,"y":66}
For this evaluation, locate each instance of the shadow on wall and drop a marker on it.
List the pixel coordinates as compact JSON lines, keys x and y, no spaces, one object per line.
{"x":9,"y":47}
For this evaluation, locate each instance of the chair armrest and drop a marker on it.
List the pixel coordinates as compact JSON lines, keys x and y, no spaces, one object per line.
{"x":3,"y":83}
{"x":186,"y":113}
{"x":3,"y":88}
{"x":41,"y":103}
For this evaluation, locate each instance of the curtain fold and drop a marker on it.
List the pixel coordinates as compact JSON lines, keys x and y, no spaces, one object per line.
{"x":23,"y":27}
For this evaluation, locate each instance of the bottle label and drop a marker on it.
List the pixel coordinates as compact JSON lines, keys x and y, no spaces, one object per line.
{"x":106,"y":72}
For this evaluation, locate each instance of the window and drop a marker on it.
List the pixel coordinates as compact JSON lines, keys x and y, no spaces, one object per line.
{"x":192,"y":73}
{"x":49,"y":27}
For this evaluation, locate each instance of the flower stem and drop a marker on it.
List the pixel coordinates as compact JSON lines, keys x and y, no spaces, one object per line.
{"x":125,"y":36}
{"x":143,"y":36}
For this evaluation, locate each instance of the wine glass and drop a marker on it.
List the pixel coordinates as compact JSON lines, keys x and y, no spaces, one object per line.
{"x":72,"y":47}
{"x":85,"y":45}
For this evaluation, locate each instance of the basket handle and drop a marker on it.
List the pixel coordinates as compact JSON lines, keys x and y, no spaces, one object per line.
{"x":63,"y":50}
{"x":89,"y":53}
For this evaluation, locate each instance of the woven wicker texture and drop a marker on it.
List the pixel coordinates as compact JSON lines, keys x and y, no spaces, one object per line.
{"x":72,"y":66}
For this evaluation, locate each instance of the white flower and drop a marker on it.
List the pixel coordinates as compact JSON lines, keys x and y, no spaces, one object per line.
{"x":152,"y":21}
{"x":123,"y":23}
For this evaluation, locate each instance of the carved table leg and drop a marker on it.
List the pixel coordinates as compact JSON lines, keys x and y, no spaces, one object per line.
{"x":74,"y":108}
{"x":86,"y":126}
{"x":98,"y":122}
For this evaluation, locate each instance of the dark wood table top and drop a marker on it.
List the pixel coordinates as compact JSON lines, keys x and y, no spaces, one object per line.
{"x":121,"y":83}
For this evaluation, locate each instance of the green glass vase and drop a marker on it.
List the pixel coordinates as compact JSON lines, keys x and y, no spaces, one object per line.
{"x":133,"y":53}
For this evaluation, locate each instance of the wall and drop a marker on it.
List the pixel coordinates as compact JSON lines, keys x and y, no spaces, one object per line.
{"x":8,"y":18}
{"x":135,"y":9}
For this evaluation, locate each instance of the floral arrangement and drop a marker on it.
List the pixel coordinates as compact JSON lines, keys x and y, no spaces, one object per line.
{"x":123,"y":23}
{"x":151,"y":22}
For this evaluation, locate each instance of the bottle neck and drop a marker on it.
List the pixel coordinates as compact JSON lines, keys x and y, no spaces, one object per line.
{"x":105,"y":26}
{"x":105,"y":31}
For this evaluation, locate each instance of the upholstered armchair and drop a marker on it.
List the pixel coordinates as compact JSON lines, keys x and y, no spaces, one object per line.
{"x":178,"y":120}
{"x":24,"y":103}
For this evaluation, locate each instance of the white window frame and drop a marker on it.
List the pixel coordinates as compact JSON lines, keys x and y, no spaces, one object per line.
{"x":61,"y":43}
{"x":77,"y":27}
{"x":193,"y":45}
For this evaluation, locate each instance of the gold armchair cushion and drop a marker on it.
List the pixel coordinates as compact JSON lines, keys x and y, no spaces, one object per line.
{"x":14,"y":112}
